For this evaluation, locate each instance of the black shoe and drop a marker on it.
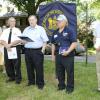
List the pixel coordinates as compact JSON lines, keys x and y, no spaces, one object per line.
{"x":69,"y":91}
{"x":40,"y":87}
{"x":29,"y":84}
{"x":10,"y":80}
{"x":60,"y":88}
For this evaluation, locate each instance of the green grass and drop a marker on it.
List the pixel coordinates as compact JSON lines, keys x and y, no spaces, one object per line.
{"x":85,"y":86}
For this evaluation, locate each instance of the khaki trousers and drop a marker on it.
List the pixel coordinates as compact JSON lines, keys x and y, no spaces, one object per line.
{"x":1,"y":58}
{"x":98,"y":68}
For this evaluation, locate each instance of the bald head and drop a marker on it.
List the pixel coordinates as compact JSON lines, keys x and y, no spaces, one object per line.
{"x":32,"y":20}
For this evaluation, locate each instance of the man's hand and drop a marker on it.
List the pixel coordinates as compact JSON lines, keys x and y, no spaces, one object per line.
{"x":72,"y":47}
{"x":43,"y":50}
{"x":65,"y":53}
{"x":44,"y":47}
{"x":8,"y":47}
{"x":23,"y":42}
{"x":53,"y":58}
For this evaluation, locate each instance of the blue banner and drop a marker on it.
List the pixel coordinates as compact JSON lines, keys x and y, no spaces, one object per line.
{"x":48,"y":15}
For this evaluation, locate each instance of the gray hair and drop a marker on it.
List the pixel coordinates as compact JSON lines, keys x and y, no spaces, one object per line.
{"x":32,"y":16}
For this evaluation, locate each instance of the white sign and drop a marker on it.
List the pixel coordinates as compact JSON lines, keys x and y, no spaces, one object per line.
{"x":12,"y":54}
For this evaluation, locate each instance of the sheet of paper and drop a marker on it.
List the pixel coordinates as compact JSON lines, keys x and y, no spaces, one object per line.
{"x":62,"y":49}
{"x":12,"y":54}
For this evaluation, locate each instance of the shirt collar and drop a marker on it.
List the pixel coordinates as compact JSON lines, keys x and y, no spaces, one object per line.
{"x":11,"y":28}
{"x":30,"y":27}
{"x":65,"y":29}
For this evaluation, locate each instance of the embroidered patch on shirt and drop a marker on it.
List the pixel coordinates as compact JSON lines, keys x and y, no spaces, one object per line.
{"x":65,"y":34}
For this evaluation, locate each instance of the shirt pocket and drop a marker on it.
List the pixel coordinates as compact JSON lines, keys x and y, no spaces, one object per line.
{"x":66,"y":37}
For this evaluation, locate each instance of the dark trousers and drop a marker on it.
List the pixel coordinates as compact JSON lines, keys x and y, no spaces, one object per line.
{"x":65,"y":64}
{"x":34,"y":62}
{"x":13,"y":66}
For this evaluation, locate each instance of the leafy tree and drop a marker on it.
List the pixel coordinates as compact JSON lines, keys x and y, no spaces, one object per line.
{"x":28,"y":6}
{"x":85,"y":36}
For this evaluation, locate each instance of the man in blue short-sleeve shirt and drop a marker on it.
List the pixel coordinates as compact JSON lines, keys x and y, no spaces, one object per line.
{"x":63,"y":47}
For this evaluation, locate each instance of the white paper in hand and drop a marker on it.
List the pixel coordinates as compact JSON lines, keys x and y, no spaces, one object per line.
{"x":12,"y":54}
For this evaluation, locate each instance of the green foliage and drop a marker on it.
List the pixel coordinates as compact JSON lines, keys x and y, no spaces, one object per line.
{"x":85,"y":85}
{"x":96,"y":4}
{"x":85,"y":36}
{"x":29,"y":6}
{"x":92,"y":9}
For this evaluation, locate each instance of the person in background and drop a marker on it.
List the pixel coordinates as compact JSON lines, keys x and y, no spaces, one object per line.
{"x":1,"y":53}
{"x":95,"y":27}
{"x":34,"y":52}
{"x":2,"y":48}
{"x":63,"y":45}
{"x":8,"y":39}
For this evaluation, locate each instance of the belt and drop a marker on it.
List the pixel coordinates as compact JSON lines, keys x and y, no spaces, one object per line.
{"x":16,"y":46}
{"x":33,"y":48}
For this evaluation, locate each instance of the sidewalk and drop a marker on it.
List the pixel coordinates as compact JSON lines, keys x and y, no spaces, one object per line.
{"x":91,"y":59}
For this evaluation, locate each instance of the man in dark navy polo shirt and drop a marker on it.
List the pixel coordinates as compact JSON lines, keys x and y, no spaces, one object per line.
{"x":63,"y":46}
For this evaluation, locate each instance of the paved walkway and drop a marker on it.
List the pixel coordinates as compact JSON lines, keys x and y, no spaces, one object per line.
{"x":91,"y":59}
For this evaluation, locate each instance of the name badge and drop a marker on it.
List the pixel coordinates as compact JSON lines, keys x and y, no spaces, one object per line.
{"x":55,"y":36}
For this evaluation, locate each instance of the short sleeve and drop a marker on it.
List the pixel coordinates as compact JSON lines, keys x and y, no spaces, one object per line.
{"x":44,"y":35}
{"x":52,"y":39}
{"x":73,"y":37}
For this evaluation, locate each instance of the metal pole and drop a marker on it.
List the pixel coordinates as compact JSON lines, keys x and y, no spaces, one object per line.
{"x":86,"y":33}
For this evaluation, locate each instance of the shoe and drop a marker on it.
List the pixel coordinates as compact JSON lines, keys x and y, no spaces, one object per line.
{"x":69,"y":91}
{"x":10,"y":80}
{"x":61,"y":88}
{"x":40,"y":87}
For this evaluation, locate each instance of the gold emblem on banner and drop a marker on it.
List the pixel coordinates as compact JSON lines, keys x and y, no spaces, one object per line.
{"x":50,"y":21}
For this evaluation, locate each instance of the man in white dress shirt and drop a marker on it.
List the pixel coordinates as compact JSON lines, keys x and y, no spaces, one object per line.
{"x":8,"y":39}
{"x":34,"y":52}
{"x":96,"y":32}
